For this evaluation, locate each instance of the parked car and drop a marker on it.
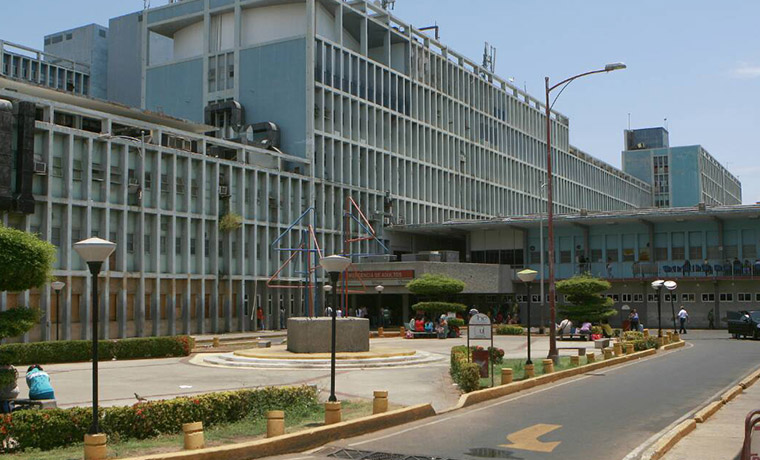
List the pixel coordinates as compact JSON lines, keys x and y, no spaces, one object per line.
{"x":744,"y":324}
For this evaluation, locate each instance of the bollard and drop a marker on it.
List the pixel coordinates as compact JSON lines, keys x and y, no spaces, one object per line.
{"x":628,"y":348}
{"x":670,"y":336}
{"x":676,"y":337}
{"x":380,"y":331}
{"x":215,"y":342}
{"x":607,"y":353}
{"x":646,"y":333}
{"x":332,"y":412}
{"x":380,"y":403}
{"x":506,"y":375}
{"x":548,"y":366}
{"x":618,"y":347}
{"x":530,"y":371}
{"x":193,"y":434}
{"x":575,"y":360}
{"x":95,"y":447}
{"x":275,"y":423}
{"x":590,"y":357}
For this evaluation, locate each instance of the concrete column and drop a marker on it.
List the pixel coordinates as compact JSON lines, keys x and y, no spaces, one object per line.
{"x":121,"y":302}
{"x":404,"y":308}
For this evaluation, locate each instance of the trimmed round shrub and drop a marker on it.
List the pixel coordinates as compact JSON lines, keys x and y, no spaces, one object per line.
{"x":439,"y":307}
{"x":25,"y":261}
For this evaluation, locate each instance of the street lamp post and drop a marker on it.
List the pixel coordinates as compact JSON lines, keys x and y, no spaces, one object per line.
{"x":57,"y":286}
{"x":672,"y":285}
{"x":334,"y":265}
{"x":94,"y":251}
{"x":527,"y":276}
{"x":553,"y":353}
{"x":657,"y":286}
{"x":379,"y":289}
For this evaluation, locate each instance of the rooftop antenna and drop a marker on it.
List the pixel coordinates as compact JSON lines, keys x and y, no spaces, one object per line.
{"x":433,"y":27}
{"x":665,"y":122}
{"x":388,"y":4}
{"x":489,"y":58}
{"x":146,"y":4}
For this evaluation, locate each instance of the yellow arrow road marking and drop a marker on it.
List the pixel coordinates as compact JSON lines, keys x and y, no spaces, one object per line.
{"x":527,"y":439}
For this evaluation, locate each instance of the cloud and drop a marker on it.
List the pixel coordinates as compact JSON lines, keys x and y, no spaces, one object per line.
{"x":746,"y":70}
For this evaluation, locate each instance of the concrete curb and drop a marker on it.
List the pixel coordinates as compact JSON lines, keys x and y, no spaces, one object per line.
{"x":674,"y":345}
{"x":671,"y":438}
{"x":731,"y":394}
{"x":708,"y":411}
{"x":475,"y":397}
{"x":667,"y":442}
{"x":302,"y":440}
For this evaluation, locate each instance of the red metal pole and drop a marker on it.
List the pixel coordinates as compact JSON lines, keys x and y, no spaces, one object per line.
{"x":553,"y":354}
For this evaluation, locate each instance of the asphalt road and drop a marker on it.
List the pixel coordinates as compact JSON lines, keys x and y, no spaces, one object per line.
{"x":606,"y":415}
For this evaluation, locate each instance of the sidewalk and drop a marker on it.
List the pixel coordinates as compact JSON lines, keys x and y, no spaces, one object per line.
{"x":722,"y":435}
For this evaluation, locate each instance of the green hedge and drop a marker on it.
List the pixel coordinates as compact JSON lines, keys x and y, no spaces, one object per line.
{"x":509,"y":329}
{"x":466,"y":375}
{"x":49,"y":429}
{"x":81,"y":350}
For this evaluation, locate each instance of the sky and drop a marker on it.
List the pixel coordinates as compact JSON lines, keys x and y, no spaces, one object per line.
{"x":693,"y":65}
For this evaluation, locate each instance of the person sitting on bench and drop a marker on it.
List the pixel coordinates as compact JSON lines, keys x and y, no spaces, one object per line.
{"x":585,"y":329}
{"x":565,"y":327}
{"x":607,"y":331}
{"x":39,"y":383}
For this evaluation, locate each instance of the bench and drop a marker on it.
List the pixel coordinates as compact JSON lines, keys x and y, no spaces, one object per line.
{"x":424,"y":335}
{"x":577,"y":335}
{"x":581,"y":350}
{"x":601,"y":343}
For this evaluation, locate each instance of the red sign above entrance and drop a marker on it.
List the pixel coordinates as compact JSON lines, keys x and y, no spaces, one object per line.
{"x":382,"y":274}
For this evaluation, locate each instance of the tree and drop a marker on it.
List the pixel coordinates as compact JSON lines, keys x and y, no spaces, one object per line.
{"x":439,"y":289}
{"x":586,"y":302}
{"x":25,"y":261}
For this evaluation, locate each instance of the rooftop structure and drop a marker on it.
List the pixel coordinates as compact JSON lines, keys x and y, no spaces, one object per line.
{"x":22,"y":63}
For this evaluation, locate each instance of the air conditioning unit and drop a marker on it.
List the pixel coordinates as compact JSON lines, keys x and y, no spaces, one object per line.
{"x":133,"y":185}
{"x":40,"y":168}
{"x":224,"y":191}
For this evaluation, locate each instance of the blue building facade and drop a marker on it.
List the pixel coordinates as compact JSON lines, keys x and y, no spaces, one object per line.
{"x":680,"y":176}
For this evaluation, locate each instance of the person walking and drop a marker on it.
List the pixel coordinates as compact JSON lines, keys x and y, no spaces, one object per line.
{"x":711,"y":319}
{"x":260,"y":318}
{"x":683,"y":315}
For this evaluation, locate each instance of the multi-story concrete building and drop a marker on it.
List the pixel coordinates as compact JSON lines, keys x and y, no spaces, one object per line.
{"x":680,"y":176}
{"x":308,"y":103}
{"x":710,"y":251}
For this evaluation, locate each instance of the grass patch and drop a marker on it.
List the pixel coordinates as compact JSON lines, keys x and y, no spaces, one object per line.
{"x":518,"y":369}
{"x":244,"y":430}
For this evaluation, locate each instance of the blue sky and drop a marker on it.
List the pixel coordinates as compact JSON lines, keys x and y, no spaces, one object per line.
{"x":696,"y":63}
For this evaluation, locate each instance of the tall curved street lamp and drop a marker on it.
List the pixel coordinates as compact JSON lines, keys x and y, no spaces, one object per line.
{"x":527,"y":276}
{"x":94,"y":251}
{"x":57,"y":286}
{"x":672,"y":285}
{"x":334,"y":265}
{"x":553,"y":353}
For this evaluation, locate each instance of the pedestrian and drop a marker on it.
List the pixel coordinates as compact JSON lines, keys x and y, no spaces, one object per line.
{"x":634,"y":318}
{"x":683,"y":316}
{"x":260,"y":318}
{"x":328,"y":311}
{"x":711,"y":319}
{"x":39,"y":383}
{"x":609,"y":267}
{"x":282,"y":317}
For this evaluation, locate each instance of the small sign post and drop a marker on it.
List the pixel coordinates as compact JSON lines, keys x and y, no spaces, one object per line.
{"x":479,"y":328}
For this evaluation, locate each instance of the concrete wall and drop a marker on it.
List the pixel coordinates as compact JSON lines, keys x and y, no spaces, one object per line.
{"x":274,"y":89}
{"x":87,"y":45}
{"x":174,"y":89}
{"x":685,"y":183}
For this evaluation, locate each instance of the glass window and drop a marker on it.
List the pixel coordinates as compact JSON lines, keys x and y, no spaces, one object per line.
{"x":726,"y":297}
{"x":612,"y":255}
{"x":708,"y":297}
